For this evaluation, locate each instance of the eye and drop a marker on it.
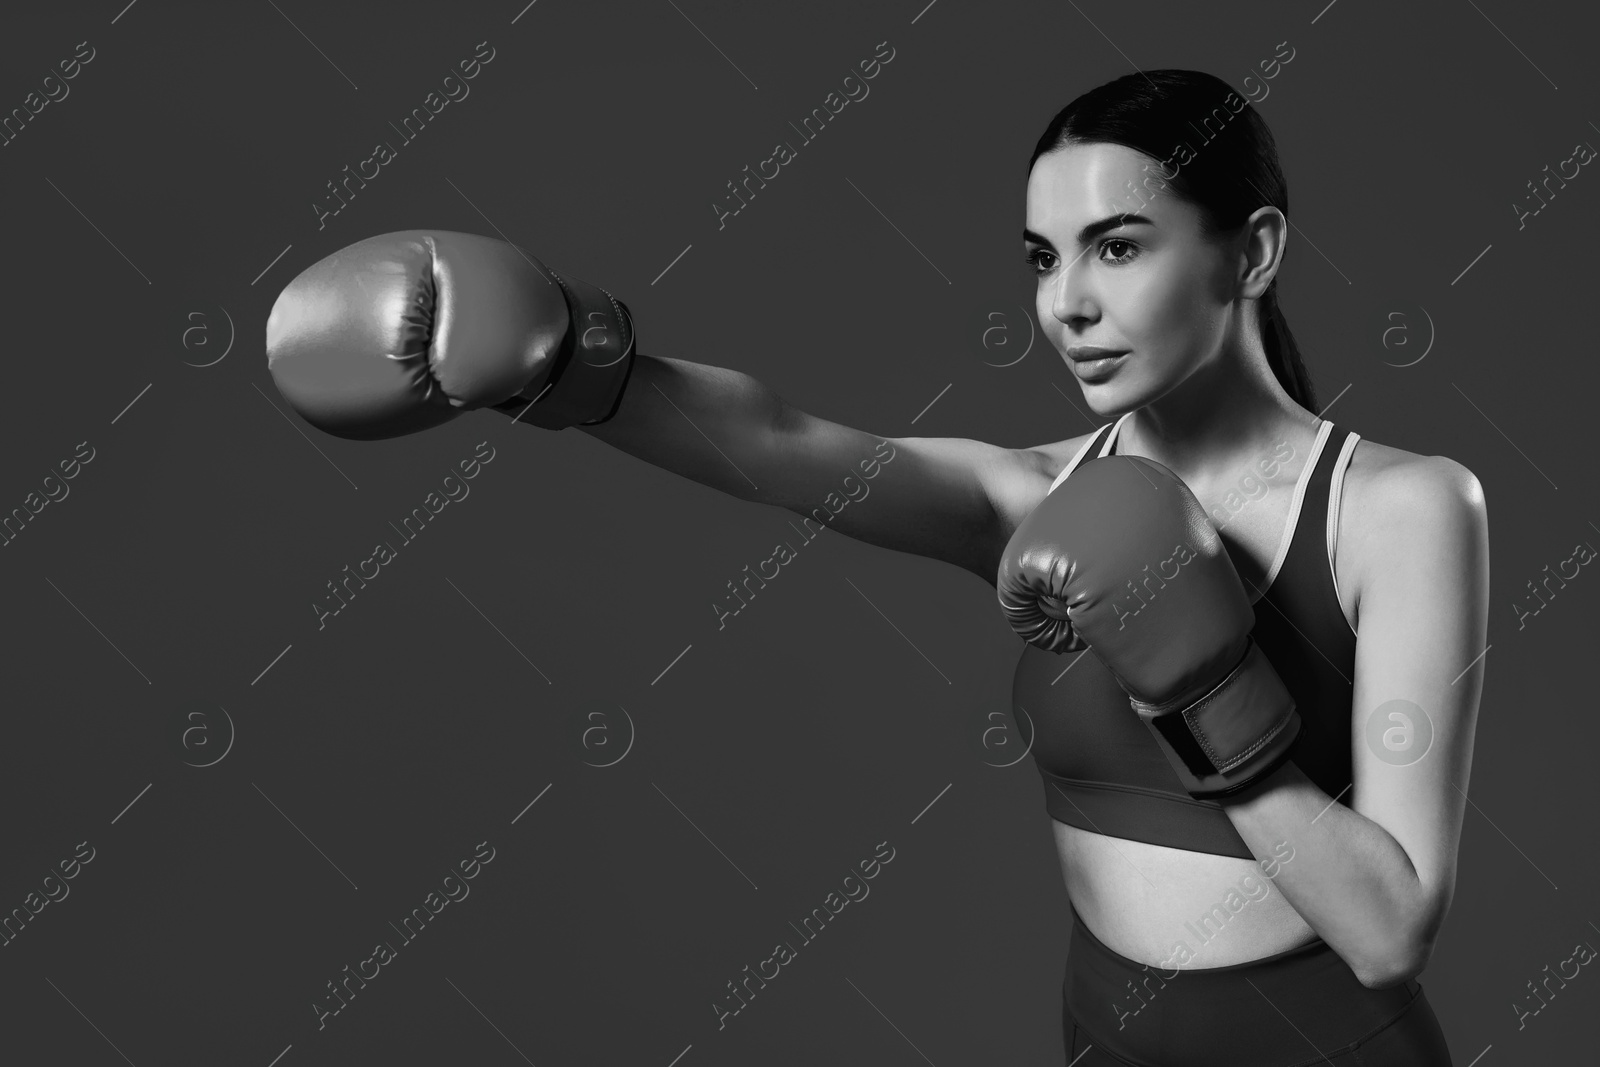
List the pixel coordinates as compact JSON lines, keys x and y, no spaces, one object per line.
{"x":1128,"y":257}
{"x":1037,"y":260}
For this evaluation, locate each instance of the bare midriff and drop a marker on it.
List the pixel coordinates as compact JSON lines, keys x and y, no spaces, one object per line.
{"x":1143,"y":900}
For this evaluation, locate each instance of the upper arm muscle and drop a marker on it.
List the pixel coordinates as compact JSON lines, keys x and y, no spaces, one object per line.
{"x":1423,"y":543}
{"x":932,"y":496}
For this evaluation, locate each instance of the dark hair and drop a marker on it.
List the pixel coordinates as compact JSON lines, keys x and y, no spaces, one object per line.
{"x":1226,"y":164}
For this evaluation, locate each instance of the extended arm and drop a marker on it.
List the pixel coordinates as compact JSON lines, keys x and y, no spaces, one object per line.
{"x":411,"y":329}
{"x":930,"y":496}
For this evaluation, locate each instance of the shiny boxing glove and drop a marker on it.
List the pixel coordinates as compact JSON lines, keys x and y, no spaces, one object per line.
{"x":408,"y":330}
{"x":1121,"y":559}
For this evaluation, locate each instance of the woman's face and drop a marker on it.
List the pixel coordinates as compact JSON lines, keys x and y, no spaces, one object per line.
{"x":1126,"y":271}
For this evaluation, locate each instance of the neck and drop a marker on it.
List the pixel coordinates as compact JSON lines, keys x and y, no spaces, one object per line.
{"x":1227,"y":412}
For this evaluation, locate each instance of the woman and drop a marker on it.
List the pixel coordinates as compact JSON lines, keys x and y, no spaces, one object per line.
{"x":1340,"y":532}
{"x":1180,"y":952}
{"x":1156,"y":224}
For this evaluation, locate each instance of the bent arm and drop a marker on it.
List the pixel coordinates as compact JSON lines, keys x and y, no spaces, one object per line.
{"x":1375,"y":878}
{"x":724,"y":429}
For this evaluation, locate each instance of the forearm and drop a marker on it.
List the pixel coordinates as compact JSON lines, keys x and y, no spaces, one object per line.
{"x":713,"y":425}
{"x":1349,"y":879}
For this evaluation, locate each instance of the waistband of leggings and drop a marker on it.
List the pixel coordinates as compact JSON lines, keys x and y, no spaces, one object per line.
{"x":1303,"y":994}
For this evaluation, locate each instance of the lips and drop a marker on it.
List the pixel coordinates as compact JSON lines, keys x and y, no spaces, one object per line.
{"x":1095,"y":364}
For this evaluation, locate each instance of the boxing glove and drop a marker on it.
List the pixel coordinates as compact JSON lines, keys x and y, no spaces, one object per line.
{"x":1121,"y":559}
{"x":408,"y":330}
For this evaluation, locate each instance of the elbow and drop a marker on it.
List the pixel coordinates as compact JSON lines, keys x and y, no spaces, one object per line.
{"x":1405,"y":953}
{"x":1403,"y":961}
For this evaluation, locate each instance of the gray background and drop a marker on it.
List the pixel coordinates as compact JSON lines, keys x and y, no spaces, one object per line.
{"x":145,"y":212}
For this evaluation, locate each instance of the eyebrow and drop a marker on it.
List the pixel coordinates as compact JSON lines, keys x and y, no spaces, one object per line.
{"x":1094,"y":229}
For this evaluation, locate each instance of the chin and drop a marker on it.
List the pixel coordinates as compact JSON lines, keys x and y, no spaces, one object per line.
{"x":1113,"y":399}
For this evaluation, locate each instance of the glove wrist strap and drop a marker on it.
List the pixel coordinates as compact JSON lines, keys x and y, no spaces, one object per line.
{"x":1232,"y":736}
{"x":592,"y":367}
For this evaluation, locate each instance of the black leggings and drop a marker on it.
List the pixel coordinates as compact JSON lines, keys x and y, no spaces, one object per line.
{"x":1300,"y":1008}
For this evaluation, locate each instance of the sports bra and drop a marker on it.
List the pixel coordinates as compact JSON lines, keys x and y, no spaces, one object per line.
{"x":1102,"y":769}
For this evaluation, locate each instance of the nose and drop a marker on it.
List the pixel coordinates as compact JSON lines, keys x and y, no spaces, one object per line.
{"x":1071,"y":302}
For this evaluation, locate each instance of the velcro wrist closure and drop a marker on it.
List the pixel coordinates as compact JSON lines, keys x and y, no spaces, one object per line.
{"x":592,"y":367}
{"x":1238,"y":732}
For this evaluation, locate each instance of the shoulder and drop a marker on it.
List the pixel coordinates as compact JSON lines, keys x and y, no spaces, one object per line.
{"x":1384,"y":482}
{"x":1016,"y":487}
{"x":1399,"y":505}
{"x":1049,"y":460}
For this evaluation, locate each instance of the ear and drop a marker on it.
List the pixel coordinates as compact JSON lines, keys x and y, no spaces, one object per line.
{"x":1265,"y":234}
